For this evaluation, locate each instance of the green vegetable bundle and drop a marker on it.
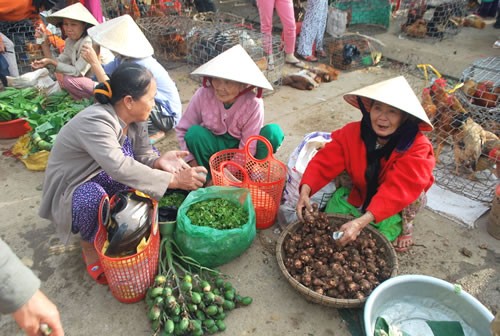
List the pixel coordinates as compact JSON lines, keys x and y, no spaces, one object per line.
{"x":187,"y":298}
{"x":19,"y":103}
{"x":218,"y":213}
{"x":57,"y":109}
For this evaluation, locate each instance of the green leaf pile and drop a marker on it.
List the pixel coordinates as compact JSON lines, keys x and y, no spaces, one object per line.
{"x":217,"y":213}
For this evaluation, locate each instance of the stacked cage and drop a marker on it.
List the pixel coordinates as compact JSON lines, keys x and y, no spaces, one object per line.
{"x":22,"y":34}
{"x":353,"y":51}
{"x":167,"y":35}
{"x":365,"y":14}
{"x":141,"y":8}
{"x":464,"y":143}
{"x":431,"y":20}
{"x":206,"y":42}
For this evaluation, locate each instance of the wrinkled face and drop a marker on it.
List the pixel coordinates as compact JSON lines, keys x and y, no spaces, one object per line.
{"x":226,"y":90}
{"x":141,"y":108}
{"x":73,"y":28}
{"x":385,"y":119}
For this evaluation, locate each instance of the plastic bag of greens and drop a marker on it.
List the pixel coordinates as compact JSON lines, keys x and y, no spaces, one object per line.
{"x":212,"y":247}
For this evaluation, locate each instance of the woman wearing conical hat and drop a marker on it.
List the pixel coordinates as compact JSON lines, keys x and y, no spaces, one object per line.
{"x":125,"y":39}
{"x":74,"y":20}
{"x":226,"y":110}
{"x":388,"y":159}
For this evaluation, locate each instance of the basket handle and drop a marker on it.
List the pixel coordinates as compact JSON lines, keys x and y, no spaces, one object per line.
{"x":240,"y":168}
{"x":265,"y":141}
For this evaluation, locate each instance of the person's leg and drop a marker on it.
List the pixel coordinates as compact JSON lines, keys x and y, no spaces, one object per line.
{"x":284,"y":8}
{"x":266,"y":10}
{"x":10,"y":55}
{"x":275,"y":135}
{"x":308,"y":30}
{"x":78,"y":87}
{"x":497,"y":22}
{"x":322,"y":12}
{"x":405,"y":239}
{"x":203,"y":144}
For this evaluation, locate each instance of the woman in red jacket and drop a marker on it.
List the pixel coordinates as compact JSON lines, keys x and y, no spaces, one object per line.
{"x":387,"y":157}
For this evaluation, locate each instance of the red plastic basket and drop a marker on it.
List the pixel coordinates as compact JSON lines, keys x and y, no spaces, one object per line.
{"x":264,"y":178}
{"x":130,"y":277}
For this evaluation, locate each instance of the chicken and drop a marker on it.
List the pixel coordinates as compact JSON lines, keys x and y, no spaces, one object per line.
{"x":474,"y":21}
{"x":302,"y":80}
{"x":427,"y":104}
{"x":485,"y":94}
{"x":448,"y":107}
{"x":469,"y":88}
{"x":417,"y":29}
{"x":326,"y":72}
{"x":474,"y":148}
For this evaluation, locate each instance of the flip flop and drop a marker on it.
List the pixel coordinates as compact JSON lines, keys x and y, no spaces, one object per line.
{"x":309,"y":58}
{"x":402,"y":249}
{"x":96,"y":271}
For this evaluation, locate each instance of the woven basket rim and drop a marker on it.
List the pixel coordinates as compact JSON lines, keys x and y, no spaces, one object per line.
{"x":324,"y":299}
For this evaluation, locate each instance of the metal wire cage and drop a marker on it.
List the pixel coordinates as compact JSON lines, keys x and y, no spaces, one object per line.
{"x":167,"y":35}
{"x":205,"y":43}
{"x":432,"y":20}
{"x":481,"y":92}
{"x":353,"y":51}
{"x":22,"y":34}
{"x":464,"y":147}
{"x":141,"y":8}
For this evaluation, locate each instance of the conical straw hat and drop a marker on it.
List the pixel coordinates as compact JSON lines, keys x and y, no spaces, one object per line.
{"x":234,"y":64}
{"x":76,"y":12}
{"x":123,"y":36}
{"x":395,"y":92}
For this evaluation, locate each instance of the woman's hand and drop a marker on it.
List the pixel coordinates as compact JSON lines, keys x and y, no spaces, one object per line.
{"x":304,"y":201}
{"x":42,"y":63}
{"x":88,"y":53}
{"x":39,"y":309}
{"x":190,"y":178}
{"x":353,"y":228}
{"x":172,"y":161}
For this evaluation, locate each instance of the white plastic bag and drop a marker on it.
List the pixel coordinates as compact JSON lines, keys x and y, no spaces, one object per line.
{"x":336,"y":23}
{"x":296,"y":166}
{"x":39,"y":79}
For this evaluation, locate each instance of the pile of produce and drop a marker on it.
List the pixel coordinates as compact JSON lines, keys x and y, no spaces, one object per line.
{"x":18,"y":103}
{"x":187,"y":298}
{"x":46,"y":115}
{"x":217,"y":213}
{"x":313,"y":258}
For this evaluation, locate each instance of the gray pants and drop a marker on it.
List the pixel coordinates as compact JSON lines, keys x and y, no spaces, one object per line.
{"x":158,"y":121}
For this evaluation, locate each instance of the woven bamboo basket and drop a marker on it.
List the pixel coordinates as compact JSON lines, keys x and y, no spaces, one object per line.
{"x":336,"y":219}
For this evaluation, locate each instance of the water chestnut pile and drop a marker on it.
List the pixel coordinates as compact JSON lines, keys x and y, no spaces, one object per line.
{"x":313,"y":258}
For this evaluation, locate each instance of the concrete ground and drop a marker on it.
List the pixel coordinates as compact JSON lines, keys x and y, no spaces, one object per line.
{"x":89,"y":309}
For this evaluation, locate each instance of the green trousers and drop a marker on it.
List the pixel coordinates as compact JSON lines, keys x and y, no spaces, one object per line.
{"x":203,"y":144}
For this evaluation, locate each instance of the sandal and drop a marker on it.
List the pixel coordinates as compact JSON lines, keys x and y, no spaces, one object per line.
{"x":399,"y":240}
{"x":96,"y":271}
{"x":309,"y":58}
